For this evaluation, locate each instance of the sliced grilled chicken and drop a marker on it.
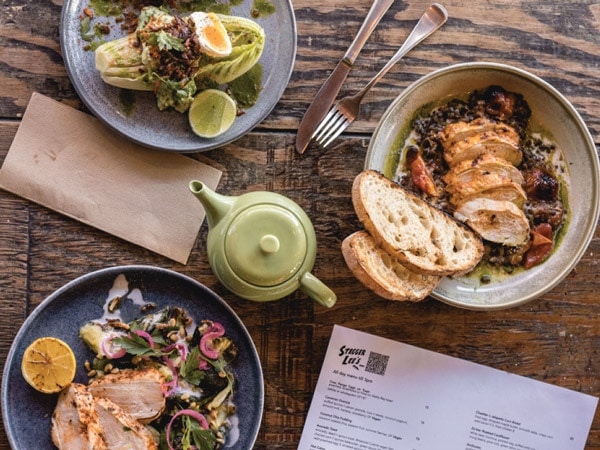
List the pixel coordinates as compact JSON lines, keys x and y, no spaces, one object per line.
{"x":466,"y":141}
{"x":481,"y":144}
{"x":75,"y":424}
{"x":466,"y":171}
{"x":121,"y":431}
{"x":459,"y":131}
{"x":497,"y":221}
{"x":487,"y":185}
{"x":139,"y":392}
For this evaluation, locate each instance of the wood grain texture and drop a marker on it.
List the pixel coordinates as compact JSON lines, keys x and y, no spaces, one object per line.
{"x":555,"y":338}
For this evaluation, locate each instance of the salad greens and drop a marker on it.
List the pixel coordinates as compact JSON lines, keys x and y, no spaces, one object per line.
{"x":195,"y":361}
{"x":162,"y":56}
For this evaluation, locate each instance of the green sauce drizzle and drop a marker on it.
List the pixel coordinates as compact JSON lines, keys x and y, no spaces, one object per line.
{"x":127,"y":101}
{"x":245,"y":89}
{"x":262,"y":8}
{"x":106,"y":8}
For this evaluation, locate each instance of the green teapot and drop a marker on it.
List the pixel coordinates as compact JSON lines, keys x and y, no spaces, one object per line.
{"x":261,"y":245}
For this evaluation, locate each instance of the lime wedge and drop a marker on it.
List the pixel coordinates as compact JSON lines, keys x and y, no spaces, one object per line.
{"x":212,"y":113}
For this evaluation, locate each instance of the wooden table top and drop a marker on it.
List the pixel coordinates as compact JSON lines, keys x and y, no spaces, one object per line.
{"x":554,"y":339}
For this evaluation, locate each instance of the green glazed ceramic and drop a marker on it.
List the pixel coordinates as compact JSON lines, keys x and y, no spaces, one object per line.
{"x":261,"y":245}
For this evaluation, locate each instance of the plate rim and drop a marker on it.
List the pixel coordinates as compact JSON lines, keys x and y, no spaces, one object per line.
{"x":117,"y":270}
{"x":67,"y":47}
{"x":585,"y":132}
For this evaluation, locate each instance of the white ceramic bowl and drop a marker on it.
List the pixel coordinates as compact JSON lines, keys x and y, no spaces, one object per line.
{"x":554,"y":113}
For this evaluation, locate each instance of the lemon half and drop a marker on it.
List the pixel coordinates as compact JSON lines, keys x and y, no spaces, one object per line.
{"x":212,"y":113}
{"x":48,"y":365}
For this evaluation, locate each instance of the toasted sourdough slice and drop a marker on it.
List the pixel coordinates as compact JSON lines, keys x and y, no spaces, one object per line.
{"x":382,"y":273}
{"x":421,"y":236}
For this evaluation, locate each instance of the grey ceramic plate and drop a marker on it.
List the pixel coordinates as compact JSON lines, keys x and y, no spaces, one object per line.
{"x":27,"y":413}
{"x":170,"y":130}
{"x":550,"y":111}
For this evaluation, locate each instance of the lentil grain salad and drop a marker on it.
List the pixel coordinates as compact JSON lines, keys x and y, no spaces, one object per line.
{"x":480,"y":159}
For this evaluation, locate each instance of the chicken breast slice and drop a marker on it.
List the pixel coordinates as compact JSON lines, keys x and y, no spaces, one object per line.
{"x":488,"y":185}
{"x":138,"y":392}
{"x":467,"y":141}
{"x":466,"y":171}
{"x":459,"y":131}
{"x":75,"y":424}
{"x":497,"y":221}
{"x":121,"y":431}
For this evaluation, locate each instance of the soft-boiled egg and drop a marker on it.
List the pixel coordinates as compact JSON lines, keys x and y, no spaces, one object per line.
{"x":212,"y":35}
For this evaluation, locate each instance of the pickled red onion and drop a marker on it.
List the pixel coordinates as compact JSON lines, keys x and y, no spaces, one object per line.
{"x":215,"y":331}
{"x":146,"y":336}
{"x":203,"y":365}
{"x":188,"y":412}
{"x":182,"y":348}
{"x":108,"y":352}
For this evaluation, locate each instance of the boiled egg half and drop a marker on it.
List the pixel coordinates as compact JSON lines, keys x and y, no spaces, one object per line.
{"x":212,"y":35}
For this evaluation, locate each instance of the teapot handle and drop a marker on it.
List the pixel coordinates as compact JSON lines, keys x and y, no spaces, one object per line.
{"x":315,"y":289}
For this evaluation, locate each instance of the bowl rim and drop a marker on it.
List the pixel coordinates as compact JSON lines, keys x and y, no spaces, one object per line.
{"x":586,"y":136}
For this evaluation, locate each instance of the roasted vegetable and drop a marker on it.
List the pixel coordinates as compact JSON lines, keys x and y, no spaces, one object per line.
{"x":173,"y":55}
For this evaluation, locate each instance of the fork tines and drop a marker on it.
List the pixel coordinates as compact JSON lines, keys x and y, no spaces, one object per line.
{"x":331,"y":127}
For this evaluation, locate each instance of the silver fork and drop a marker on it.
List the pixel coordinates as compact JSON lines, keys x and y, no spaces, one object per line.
{"x":344,"y":112}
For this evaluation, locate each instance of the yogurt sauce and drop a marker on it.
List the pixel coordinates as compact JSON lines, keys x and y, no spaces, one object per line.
{"x":120,"y":289}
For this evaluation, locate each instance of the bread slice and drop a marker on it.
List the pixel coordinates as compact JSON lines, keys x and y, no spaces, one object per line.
{"x":422,"y":237}
{"x":383,"y":274}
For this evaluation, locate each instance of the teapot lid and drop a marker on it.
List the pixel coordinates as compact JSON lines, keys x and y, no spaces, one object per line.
{"x":266,"y":244}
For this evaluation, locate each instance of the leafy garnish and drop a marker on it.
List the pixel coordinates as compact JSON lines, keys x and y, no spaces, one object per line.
{"x":136,"y":345}
{"x":203,"y":439}
{"x":190,"y":370}
{"x":166,"y":41}
{"x":156,"y":334}
{"x":85,"y":29}
{"x":188,"y":435}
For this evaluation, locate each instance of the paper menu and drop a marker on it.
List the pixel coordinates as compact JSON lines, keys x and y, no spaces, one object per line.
{"x":378,"y":394}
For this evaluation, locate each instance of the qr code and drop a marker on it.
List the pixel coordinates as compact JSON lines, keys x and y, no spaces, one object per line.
{"x":377,"y":363}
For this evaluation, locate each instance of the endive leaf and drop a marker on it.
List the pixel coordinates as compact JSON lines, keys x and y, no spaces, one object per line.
{"x":248,"y":40}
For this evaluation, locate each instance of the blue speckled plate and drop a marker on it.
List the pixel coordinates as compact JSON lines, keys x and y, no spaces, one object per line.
{"x":27,"y":413}
{"x":169,"y":130}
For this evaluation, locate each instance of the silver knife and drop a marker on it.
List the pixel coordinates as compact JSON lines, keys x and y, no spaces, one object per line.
{"x":328,"y":92}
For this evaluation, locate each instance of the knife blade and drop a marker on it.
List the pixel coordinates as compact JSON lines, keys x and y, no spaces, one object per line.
{"x":328,"y":92}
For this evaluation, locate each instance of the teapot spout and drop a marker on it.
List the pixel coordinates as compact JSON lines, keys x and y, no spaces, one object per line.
{"x":216,"y":205}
